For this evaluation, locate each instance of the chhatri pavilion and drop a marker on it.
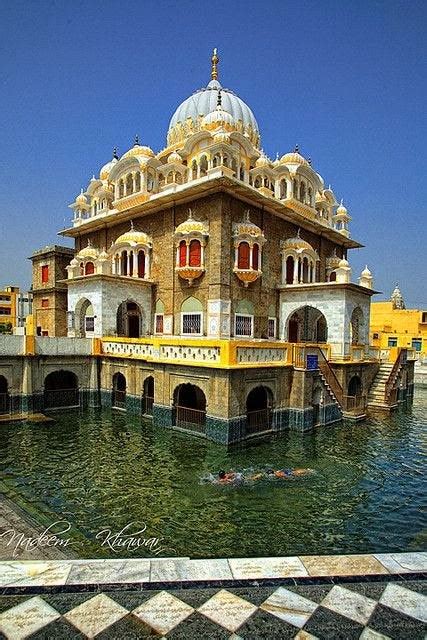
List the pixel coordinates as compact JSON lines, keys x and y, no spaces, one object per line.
{"x":215,"y":281}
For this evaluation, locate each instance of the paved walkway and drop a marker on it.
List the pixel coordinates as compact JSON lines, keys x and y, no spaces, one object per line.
{"x":303,"y":598}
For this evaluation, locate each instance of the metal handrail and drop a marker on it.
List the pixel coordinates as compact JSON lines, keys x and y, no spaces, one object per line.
{"x":330,"y":377}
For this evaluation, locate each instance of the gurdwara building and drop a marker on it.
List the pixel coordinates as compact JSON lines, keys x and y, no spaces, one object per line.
{"x":216,"y":285}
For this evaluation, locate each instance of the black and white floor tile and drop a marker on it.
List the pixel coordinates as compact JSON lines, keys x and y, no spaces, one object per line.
{"x":367,"y":610}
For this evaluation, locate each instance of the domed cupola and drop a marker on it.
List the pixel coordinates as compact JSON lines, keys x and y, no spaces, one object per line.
{"x":294,"y":158}
{"x":341,"y":219}
{"x":191,"y":116}
{"x":138,"y":151}
{"x":133,"y":238}
{"x":88,"y":252}
{"x":105,"y":170}
{"x":219,"y":118}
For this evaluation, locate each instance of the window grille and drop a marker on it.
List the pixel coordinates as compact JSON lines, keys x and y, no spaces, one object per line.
{"x":244,"y":326}
{"x":159,"y":323}
{"x":90,"y":323}
{"x":272,"y":327}
{"x":192,"y":323}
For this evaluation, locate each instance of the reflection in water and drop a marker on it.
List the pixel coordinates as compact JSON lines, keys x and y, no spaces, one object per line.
{"x":104,"y":470}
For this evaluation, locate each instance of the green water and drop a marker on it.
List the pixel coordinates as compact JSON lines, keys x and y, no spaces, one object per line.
{"x":102,"y":470}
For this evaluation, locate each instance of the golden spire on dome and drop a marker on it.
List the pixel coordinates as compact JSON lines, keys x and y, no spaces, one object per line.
{"x":214,"y":60}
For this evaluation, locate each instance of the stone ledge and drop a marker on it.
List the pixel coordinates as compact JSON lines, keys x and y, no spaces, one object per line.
{"x":15,"y":574}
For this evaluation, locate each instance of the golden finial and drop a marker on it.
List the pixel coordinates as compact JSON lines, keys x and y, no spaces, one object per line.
{"x":214,"y":60}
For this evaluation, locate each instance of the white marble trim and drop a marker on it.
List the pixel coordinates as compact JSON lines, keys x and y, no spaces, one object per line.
{"x":144,"y":570}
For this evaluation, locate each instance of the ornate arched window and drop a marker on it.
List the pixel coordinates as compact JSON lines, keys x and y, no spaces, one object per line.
{"x":299,"y":261}
{"x":243,"y":255}
{"x":121,"y":189}
{"x":283,"y":189}
{"x":89,"y":268}
{"x":192,"y":317}
{"x":190,"y":242}
{"x":150,"y":180}
{"x":248,"y":241}
{"x":203,"y":166}
{"x":138,"y":182}
{"x":195,"y":254}
{"x":302,"y":192}
{"x":255,"y":256}
{"x":141,"y":264}
{"x":131,"y":254}
{"x":194,"y":170}
{"x":129,"y":184}
{"x":182,"y":253}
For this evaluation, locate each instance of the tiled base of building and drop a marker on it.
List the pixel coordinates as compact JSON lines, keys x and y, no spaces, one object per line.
{"x":325,"y":598}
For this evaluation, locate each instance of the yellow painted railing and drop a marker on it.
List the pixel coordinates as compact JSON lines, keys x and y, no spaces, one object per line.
{"x":205,"y":352}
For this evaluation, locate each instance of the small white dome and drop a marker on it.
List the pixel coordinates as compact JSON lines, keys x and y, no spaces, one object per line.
{"x":263,"y":161}
{"x":81,"y":198}
{"x":341,"y":211}
{"x":294,"y":157}
{"x":366,"y":273}
{"x":218,"y":118}
{"x":105,"y":170}
{"x":138,"y":150}
{"x":343,"y":264}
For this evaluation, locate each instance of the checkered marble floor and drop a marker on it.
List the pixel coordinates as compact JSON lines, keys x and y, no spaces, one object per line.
{"x":370,"y":610}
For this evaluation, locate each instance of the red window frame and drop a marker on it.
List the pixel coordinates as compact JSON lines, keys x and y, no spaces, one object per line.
{"x":182,"y":253}
{"x":243,"y":255}
{"x":195,"y":259}
{"x":45,"y":273}
{"x":255,"y":257}
{"x":89,"y":268}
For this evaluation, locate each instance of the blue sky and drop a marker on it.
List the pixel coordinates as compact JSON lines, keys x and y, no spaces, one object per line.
{"x":343,"y":79}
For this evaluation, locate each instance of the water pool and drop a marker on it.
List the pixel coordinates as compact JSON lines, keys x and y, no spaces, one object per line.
{"x":99,"y":469}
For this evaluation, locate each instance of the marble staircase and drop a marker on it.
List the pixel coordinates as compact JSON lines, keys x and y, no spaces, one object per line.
{"x":377,"y":392}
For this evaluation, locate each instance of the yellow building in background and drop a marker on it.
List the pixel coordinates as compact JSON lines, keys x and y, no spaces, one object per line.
{"x":15,"y":307}
{"x":392,"y":325}
{"x":8,"y":308}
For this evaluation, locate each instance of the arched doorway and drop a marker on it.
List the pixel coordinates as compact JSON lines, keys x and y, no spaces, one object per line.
{"x":354,"y":393}
{"x":4,"y":395}
{"x":190,"y":408}
{"x":129,"y":320}
{"x":259,"y":414}
{"x":61,"y":389}
{"x":307,"y":324}
{"x":148,"y":396}
{"x":85,"y":318}
{"x":356,"y":326}
{"x":118,"y":400}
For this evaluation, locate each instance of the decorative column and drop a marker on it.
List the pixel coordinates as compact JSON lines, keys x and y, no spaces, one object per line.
{"x":134,"y":263}
{"x":296,"y":268}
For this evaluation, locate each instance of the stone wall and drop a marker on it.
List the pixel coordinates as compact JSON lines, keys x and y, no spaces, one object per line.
{"x":218,"y":283}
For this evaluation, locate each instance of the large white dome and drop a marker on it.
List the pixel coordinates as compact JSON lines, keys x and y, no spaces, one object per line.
{"x":205,"y":101}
